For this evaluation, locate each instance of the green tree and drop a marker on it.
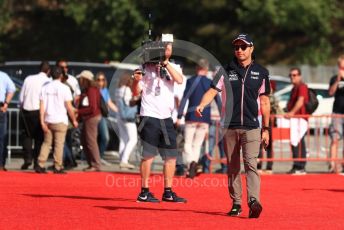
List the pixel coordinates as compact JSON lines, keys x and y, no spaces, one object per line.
{"x":4,"y":20}
{"x":109,"y":29}
{"x":76,"y":30}
{"x":291,"y":31}
{"x":288,"y":32}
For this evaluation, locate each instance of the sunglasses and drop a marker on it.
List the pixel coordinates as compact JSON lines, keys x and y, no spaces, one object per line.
{"x":293,"y":75}
{"x":242,"y":47}
{"x":100,"y":79}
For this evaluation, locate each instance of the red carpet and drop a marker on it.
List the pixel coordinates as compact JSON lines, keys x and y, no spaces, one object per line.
{"x":107,"y":201}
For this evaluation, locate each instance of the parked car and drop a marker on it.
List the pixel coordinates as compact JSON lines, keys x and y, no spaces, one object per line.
{"x":325,"y":102}
{"x":280,"y":81}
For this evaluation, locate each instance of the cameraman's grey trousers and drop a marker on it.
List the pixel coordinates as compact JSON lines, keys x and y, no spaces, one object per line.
{"x":249,"y":140}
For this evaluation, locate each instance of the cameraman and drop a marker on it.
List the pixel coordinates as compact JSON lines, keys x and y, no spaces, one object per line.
{"x":156,"y":125}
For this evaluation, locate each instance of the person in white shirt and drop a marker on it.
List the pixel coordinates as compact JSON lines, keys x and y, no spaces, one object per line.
{"x":55,"y":101}
{"x":156,"y":128}
{"x":29,"y":104}
{"x":68,"y":154}
{"x":71,"y":81}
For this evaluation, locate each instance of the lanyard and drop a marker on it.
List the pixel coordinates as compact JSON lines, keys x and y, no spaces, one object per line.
{"x":243,"y":80}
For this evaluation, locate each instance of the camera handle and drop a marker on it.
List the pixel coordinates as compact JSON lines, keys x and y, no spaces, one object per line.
{"x":150,"y":26}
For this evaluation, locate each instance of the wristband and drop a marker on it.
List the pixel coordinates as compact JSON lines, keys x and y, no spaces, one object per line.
{"x":266,"y":128}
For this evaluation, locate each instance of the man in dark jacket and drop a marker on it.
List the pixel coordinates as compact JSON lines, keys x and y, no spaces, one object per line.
{"x":245,"y":87}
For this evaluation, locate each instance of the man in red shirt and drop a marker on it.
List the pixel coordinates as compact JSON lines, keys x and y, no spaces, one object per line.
{"x":296,"y":106}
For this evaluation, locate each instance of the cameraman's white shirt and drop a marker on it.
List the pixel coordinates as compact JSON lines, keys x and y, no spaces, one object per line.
{"x":152,"y":105}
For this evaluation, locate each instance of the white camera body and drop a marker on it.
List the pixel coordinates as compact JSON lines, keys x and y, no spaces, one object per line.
{"x":167,"y":37}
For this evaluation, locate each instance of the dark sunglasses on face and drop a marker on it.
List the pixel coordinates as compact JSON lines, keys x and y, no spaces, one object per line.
{"x":139,"y":72}
{"x":293,"y":75}
{"x":242,"y":47}
{"x":100,"y":79}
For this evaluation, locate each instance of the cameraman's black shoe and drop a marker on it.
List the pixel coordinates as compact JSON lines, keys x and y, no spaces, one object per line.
{"x":147,"y":197}
{"x":172,"y":197}
{"x":255,"y":208}
{"x":235,"y":211}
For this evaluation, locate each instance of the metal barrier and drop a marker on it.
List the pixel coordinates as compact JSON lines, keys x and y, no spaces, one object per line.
{"x":316,"y":137}
{"x":286,"y":131}
{"x":14,"y":131}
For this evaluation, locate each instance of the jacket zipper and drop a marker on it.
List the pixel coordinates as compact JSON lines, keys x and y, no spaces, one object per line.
{"x":242,"y":95}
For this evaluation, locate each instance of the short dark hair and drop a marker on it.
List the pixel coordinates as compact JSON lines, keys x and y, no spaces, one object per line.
{"x":44,"y":66}
{"x":59,"y":61}
{"x":56,"y":72}
{"x":297,"y":69}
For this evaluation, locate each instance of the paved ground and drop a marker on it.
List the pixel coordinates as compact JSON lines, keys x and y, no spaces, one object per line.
{"x":279,"y":167}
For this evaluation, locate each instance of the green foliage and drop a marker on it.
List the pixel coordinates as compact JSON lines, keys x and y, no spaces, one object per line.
{"x":288,"y":32}
{"x":4,"y":20}
{"x":302,"y":26}
{"x":112,"y":27}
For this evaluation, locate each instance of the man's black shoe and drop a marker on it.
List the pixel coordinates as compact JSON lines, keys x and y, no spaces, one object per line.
{"x":255,"y":209}
{"x":192,"y":170}
{"x":25,"y":166}
{"x":236,"y":210}
{"x":39,"y":169}
{"x":59,"y":171}
{"x":172,"y":197}
{"x":147,"y":197}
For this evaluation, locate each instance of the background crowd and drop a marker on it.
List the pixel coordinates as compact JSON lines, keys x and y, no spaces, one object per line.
{"x":198,"y":140}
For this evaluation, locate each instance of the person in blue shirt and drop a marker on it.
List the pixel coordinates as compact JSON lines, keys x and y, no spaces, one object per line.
{"x":7,"y":90}
{"x":196,"y":128}
{"x":103,"y":130}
